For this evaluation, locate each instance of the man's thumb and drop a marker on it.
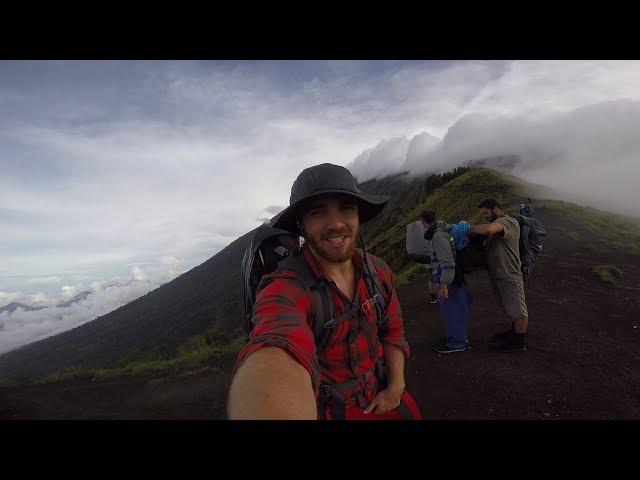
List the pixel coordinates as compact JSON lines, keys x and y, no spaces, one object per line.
{"x":371,"y":406}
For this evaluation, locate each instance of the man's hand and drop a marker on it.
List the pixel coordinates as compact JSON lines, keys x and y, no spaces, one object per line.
{"x":385,"y":400}
{"x":443,"y":293}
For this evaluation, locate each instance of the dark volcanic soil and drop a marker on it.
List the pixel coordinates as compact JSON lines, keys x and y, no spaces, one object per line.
{"x":582,"y":362}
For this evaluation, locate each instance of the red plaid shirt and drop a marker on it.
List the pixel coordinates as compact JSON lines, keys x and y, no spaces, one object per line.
{"x":281,"y":318}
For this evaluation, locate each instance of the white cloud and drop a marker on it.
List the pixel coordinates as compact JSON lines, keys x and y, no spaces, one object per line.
{"x":385,"y":158}
{"x":168,"y":260}
{"x":41,"y":299}
{"x":582,"y":153}
{"x":50,"y":279}
{"x":9,"y":297}
{"x":69,"y":291}
{"x":138,"y":274}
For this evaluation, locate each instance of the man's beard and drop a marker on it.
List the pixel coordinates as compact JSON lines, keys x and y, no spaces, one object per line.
{"x":329,"y":253}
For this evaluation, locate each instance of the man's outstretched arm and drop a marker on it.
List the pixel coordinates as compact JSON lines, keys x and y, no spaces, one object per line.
{"x":271,"y":385}
{"x":487,"y":229}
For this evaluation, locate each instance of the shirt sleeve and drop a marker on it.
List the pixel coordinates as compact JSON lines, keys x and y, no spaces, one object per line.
{"x":392,"y":330}
{"x":508,"y":226}
{"x":280,"y":320}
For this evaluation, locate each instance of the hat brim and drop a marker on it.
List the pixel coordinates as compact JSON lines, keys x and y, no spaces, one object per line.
{"x":368,"y":207}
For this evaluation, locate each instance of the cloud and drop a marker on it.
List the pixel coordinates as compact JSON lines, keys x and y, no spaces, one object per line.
{"x":41,"y":299}
{"x":386,"y":157}
{"x":168,"y":260}
{"x":419,"y":147}
{"x":68,"y":291}
{"x":582,"y":153}
{"x":138,"y":274}
{"x":50,"y":279}
{"x":8,"y":297}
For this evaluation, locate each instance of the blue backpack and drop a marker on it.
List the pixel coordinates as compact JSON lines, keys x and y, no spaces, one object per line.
{"x":459,"y":235}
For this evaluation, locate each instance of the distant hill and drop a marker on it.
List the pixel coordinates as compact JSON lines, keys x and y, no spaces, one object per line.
{"x":13,"y":306}
{"x":76,"y":298}
{"x":210,"y":294}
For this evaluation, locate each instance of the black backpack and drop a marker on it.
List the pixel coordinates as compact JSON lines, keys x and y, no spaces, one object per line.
{"x":473,"y":257}
{"x":271,"y":248}
{"x":532,"y":235}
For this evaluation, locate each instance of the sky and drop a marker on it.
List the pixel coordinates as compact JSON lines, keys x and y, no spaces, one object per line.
{"x":126,"y":174}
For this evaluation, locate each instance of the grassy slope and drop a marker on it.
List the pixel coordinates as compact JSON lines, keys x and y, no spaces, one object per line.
{"x":597,"y":229}
{"x":199,"y":353}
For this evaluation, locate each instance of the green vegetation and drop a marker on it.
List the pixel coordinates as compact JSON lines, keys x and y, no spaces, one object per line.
{"x":410,"y":273}
{"x":613,"y":231}
{"x":571,"y":235}
{"x":608,"y":273}
{"x":590,"y":247}
{"x":200,"y":353}
{"x":6,"y":382}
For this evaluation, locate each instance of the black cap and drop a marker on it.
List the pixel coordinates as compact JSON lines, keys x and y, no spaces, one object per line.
{"x":322,"y":179}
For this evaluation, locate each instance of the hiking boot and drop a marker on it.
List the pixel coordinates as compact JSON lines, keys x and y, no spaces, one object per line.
{"x":514,"y":344}
{"x":443,"y":348}
{"x":502,"y":336}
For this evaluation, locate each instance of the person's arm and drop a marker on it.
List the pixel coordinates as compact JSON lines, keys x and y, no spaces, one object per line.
{"x":271,"y":385}
{"x":277,"y":373}
{"x":446,"y":262}
{"x":487,"y":229}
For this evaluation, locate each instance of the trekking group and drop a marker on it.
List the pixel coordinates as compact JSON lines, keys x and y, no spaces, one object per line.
{"x":506,"y":246}
{"x":325,"y":329}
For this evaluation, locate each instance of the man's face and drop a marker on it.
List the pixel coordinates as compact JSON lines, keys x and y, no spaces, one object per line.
{"x":331,"y":226}
{"x":488,"y":214}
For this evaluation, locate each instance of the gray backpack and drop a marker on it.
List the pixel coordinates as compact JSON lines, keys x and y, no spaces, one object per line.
{"x":418,"y":248}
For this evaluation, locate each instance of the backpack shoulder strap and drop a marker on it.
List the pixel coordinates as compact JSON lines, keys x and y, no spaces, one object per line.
{"x":375,"y":289}
{"x":322,"y":312}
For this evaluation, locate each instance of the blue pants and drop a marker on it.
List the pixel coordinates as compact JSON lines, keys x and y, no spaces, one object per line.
{"x":455,"y":315}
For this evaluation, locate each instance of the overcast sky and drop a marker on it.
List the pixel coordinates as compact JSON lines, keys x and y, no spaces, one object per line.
{"x":137,"y":171}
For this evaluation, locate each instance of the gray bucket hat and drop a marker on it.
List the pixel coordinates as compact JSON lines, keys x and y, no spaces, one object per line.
{"x":322,"y":179}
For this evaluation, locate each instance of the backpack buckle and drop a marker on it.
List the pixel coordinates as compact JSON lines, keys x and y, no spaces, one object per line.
{"x":330,"y":324}
{"x":325,"y":391}
{"x":376,"y":298}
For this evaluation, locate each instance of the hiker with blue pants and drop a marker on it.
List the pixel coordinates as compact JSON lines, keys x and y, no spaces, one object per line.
{"x":453,"y":296}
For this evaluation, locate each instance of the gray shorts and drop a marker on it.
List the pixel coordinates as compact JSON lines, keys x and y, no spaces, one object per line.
{"x":509,"y":295}
{"x":429,"y":270}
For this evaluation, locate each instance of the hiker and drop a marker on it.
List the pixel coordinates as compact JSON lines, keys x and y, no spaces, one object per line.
{"x":453,"y":296}
{"x":358,"y":370}
{"x":505,"y":274}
